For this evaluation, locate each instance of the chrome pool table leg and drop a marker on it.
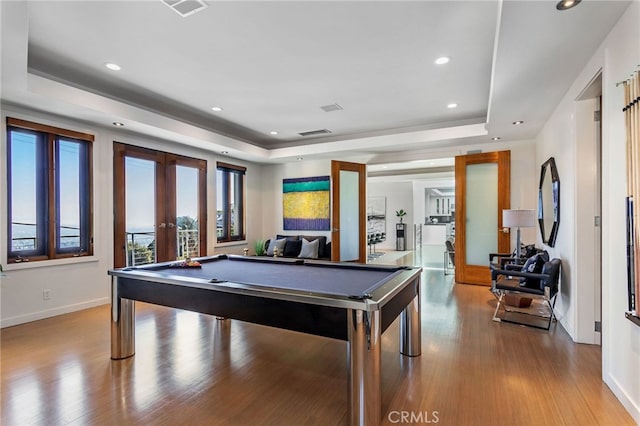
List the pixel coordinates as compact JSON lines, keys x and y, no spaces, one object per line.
{"x":123,"y":317}
{"x":410,"y":327}
{"x":365,"y":398}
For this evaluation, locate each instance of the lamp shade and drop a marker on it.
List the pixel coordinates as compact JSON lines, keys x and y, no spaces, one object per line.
{"x":518,"y":218}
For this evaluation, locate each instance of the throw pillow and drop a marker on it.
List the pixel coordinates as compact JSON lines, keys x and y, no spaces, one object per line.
{"x":292,"y":248}
{"x":309,"y":250}
{"x":534,"y":265}
{"x":276,"y":244}
{"x":322,"y":244}
{"x":528,"y":251}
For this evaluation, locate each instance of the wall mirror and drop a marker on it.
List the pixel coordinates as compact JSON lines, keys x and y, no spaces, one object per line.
{"x":549,"y":202}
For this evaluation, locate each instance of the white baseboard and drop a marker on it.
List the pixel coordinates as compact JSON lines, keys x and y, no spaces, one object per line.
{"x":21,"y":319}
{"x":631,"y":406}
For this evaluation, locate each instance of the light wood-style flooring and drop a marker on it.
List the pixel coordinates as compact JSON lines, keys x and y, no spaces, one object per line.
{"x":192,"y":369}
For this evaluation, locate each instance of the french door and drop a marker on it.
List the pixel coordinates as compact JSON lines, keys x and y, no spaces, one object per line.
{"x":483,"y":190}
{"x":159,"y":206}
{"x":348,"y":216}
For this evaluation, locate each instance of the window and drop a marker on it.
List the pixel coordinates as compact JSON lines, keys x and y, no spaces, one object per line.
{"x":49,"y":192}
{"x":230,"y":202}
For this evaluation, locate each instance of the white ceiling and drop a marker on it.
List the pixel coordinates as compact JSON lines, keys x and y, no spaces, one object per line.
{"x":272,"y":65}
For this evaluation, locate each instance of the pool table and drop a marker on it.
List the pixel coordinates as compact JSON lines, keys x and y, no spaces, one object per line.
{"x":346,"y":301}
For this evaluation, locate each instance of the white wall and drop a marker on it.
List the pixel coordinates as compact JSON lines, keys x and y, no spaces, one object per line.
{"x":618,"y":57}
{"x":558,"y":140}
{"x":80,"y":283}
{"x":621,"y":338}
{"x":525,"y":175}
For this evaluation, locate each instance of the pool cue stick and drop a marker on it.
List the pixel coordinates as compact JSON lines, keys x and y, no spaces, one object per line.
{"x":635,"y":129}
{"x":629,"y":210}
{"x":633,"y":141}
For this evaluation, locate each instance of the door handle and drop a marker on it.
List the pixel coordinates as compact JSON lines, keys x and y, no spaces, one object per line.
{"x":335,"y":230}
{"x":172,"y":225}
{"x":162,"y":225}
{"x":505,"y":230}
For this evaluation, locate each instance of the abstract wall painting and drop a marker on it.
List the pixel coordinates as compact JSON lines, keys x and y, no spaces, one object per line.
{"x":306,"y":203}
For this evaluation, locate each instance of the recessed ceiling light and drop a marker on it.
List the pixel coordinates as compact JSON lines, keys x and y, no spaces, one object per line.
{"x":515,"y":123}
{"x":567,"y":4}
{"x":118,"y":124}
{"x":224,"y":152}
{"x":452,"y":105}
{"x":442,"y":60}
{"x":112,"y":66}
{"x":216,"y":109}
{"x":273,"y":132}
{"x":495,"y":138}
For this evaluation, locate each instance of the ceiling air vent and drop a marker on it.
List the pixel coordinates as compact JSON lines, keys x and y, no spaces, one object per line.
{"x":315,"y":132}
{"x":185,"y":8}
{"x":331,"y":108}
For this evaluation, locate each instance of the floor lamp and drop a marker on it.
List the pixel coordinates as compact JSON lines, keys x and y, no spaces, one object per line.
{"x":518,"y":219}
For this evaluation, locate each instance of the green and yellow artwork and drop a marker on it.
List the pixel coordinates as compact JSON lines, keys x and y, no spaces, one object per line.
{"x":306,"y":203}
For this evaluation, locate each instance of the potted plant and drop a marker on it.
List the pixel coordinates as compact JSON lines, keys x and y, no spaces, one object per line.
{"x":259,"y":247}
{"x":400,"y":213}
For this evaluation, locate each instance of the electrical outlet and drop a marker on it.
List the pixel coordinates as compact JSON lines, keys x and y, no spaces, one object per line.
{"x":46,"y":294}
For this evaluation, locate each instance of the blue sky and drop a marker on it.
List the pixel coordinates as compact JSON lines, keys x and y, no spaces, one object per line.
{"x":23,"y":182}
{"x":140,"y":193}
{"x":140,"y":186}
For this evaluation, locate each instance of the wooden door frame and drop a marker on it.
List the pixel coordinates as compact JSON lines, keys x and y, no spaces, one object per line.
{"x":475,"y":274}
{"x":120,"y":151}
{"x":361,"y":169}
{"x":165,"y":179}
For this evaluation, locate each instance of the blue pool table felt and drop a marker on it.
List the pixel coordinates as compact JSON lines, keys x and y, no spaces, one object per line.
{"x":332,"y":279}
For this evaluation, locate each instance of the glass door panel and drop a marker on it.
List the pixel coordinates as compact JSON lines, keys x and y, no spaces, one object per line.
{"x":159,"y":204}
{"x":482,"y":192}
{"x":349,"y":216}
{"x":482,"y":212}
{"x":188,"y":240}
{"x":348,"y":211}
{"x":140,"y":211}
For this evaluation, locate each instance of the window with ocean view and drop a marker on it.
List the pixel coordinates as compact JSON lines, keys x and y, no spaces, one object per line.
{"x":141,"y":210}
{"x":159,"y":204}
{"x":49,"y":192}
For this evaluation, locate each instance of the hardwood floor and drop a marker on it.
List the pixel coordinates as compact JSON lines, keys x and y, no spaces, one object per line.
{"x":193,"y":369}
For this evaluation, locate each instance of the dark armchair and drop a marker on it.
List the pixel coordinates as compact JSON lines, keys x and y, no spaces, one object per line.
{"x":508,"y":280}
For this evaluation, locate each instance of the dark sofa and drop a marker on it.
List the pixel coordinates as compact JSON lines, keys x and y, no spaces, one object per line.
{"x":293,"y":246}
